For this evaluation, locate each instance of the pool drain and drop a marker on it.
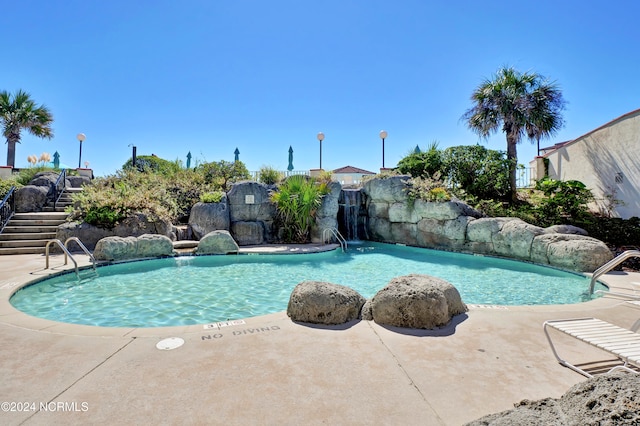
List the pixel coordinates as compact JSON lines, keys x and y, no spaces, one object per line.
{"x":170,"y":343}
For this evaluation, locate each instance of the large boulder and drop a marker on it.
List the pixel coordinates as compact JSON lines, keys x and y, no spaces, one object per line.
{"x":119,"y":248}
{"x":570,"y":251}
{"x":47,"y":179}
{"x":248,"y":233}
{"x":390,"y":189}
{"x":217,"y":242}
{"x":31,"y":198}
{"x":515,"y":239}
{"x":324,"y":303}
{"x":607,"y":399}
{"x":207,"y":217}
{"x":249,"y":201}
{"x":417,"y":301}
{"x":139,"y":224}
{"x":78,"y":181}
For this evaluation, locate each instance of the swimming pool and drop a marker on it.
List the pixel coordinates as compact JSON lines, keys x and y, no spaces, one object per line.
{"x":206,"y":289}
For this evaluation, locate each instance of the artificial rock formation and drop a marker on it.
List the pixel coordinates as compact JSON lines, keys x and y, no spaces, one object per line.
{"x":608,"y":399}
{"x":453,"y":225}
{"x":31,"y":198}
{"x":324,"y":303}
{"x":119,"y":248}
{"x":416,"y":301}
{"x":207,"y":217}
{"x":327,"y":213}
{"x":132,"y":226}
{"x":249,"y":202}
{"x":217,"y":242}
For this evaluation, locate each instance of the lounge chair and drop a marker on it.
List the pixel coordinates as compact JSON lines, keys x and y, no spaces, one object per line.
{"x":618,"y":341}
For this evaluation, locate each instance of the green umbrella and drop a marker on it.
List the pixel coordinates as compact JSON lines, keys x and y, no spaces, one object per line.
{"x":290,"y":166}
{"x":237,"y":153}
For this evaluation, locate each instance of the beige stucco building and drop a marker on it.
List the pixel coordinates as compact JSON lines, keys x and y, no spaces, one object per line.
{"x":606,"y":160}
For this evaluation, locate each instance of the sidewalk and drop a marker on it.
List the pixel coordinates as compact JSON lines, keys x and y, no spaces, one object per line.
{"x":269,"y":370}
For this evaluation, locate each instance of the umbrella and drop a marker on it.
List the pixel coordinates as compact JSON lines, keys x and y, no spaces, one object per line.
{"x":189,"y":160}
{"x":237,"y":153}
{"x":417,"y":150}
{"x":290,"y":166}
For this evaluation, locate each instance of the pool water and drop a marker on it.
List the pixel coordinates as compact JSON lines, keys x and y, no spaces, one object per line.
{"x":206,"y":289}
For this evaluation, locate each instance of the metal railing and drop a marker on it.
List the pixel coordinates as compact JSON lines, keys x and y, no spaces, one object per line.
{"x":7,"y":208}
{"x":336,"y":234}
{"x":67,"y":255}
{"x":84,"y":249}
{"x":57,"y":189}
{"x":610,"y":265}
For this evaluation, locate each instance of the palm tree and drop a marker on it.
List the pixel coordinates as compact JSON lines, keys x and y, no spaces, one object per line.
{"x":523,"y":104}
{"x":20,"y":112}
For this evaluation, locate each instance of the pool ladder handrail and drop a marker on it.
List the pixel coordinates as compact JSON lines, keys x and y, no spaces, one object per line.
{"x":67,"y":254}
{"x":337,"y":235}
{"x":610,"y":265}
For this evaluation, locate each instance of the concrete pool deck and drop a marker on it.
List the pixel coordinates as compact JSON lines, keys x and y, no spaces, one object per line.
{"x":270,"y":370}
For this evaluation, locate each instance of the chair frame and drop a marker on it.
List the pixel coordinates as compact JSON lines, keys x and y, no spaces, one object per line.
{"x":622,"y":343}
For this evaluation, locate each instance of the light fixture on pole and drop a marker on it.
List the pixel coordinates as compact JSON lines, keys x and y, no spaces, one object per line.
{"x":320,"y":138}
{"x":81,"y":137}
{"x":383,"y":136}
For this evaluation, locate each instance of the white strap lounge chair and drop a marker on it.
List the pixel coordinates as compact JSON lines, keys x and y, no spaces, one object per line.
{"x":618,"y":341}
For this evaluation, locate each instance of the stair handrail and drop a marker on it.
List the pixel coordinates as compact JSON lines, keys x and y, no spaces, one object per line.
{"x":61,"y":178}
{"x":83,"y":247}
{"x":7,"y":208}
{"x":67,"y":255}
{"x":337,"y":235}
{"x":610,"y":265}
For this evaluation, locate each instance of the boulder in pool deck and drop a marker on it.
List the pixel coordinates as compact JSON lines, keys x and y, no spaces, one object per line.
{"x":123,"y":248}
{"x":417,"y":301}
{"x":607,"y":399}
{"x":217,"y":242}
{"x":324,"y":303}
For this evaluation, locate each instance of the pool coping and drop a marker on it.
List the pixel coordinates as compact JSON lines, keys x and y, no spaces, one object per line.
{"x":14,"y":317}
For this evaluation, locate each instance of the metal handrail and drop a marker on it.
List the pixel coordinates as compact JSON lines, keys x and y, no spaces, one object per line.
{"x":610,"y":265}
{"x":7,"y":208}
{"x":337,"y":234}
{"x":66,"y":255}
{"x":56,"y":196}
{"x":84,"y":249}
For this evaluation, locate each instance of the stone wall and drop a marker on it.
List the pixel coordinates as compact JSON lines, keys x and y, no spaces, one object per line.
{"x":455,"y":226}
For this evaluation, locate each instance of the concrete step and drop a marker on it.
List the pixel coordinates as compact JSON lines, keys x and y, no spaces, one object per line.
{"x":27,"y":236}
{"x":49,"y":209}
{"x":21,"y":250}
{"x":23,"y":243}
{"x":28,"y":229}
{"x":185,"y":244}
{"x":35,"y":222}
{"x":40,"y":216}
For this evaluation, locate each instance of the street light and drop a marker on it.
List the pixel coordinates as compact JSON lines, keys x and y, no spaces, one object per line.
{"x":81,"y":137}
{"x":383,"y":135}
{"x":320,"y":138}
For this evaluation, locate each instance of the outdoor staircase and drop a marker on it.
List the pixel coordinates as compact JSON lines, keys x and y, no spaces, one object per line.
{"x":28,"y":233}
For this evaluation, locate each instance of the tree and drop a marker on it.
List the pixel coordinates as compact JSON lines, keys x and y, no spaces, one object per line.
{"x":224,"y":172}
{"x":523,"y":104}
{"x":19,"y":112}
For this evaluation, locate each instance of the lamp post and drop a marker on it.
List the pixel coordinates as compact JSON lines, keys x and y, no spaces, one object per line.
{"x":320,"y":138}
{"x":81,"y":137}
{"x":383,"y":135}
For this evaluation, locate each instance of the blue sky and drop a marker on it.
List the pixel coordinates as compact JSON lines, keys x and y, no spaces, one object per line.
{"x":208,"y":76}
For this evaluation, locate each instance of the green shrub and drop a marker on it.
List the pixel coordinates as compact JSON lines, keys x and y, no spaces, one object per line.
{"x":422,"y":163}
{"x":480,"y":172}
{"x":269,"y":176}
{"x":564,"y":202}
{"x":223,"y":173}
{"x":154,"y":164}
{"x":211,"y":197}
{"x":297,"y":201}
{"x":427,"y":188}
